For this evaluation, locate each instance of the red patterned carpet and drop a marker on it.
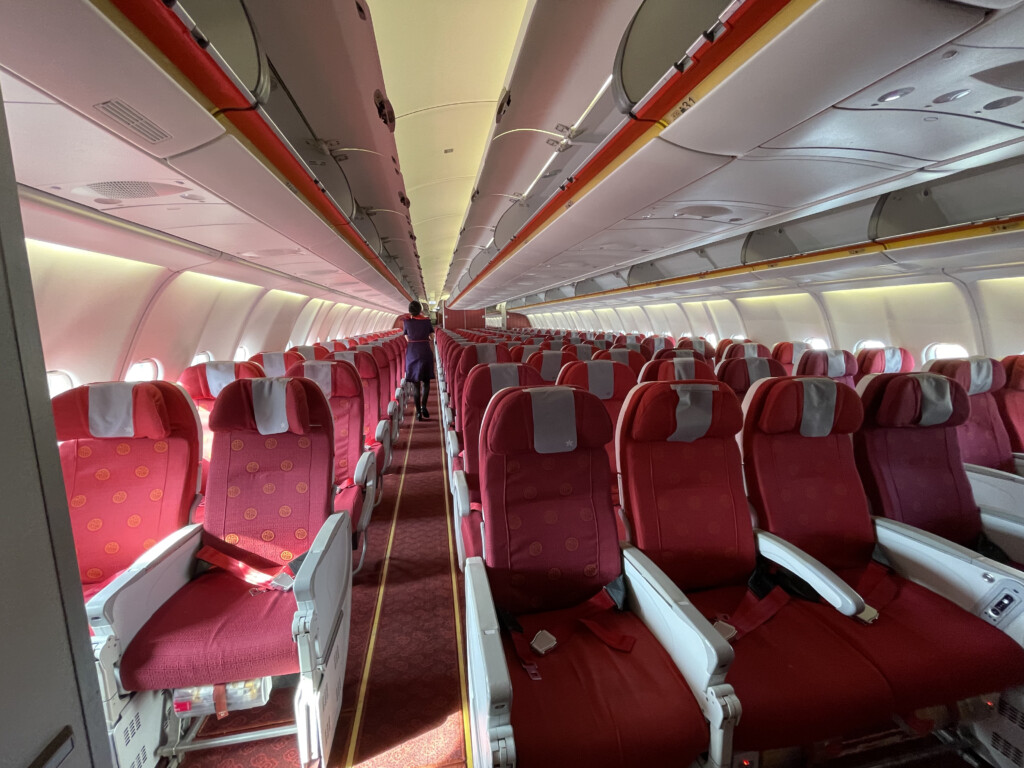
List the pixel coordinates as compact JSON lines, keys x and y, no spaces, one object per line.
{"x":403,"y":706}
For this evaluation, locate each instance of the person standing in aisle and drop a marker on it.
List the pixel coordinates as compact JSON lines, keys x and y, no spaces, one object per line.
{"x":419,"y":356}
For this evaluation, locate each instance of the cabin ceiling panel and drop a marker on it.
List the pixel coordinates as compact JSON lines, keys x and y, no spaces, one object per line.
{"x":444,"y":64}
{"x":194,"y":215}
{"x":108,"y":68}
{"x":811,"y":65}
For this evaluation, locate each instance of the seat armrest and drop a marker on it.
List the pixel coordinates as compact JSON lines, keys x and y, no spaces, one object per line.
{"x":383,"y":436}
{"x":1005,"y":530}
{"x":460,"y":493}
{"x":701,"y":653}
{"x":121,"y":608}
{"x":995,"y":489}
{"x":366,"y":477}
{"x":490,"y":687}
{"x":961,"y":575}
{"x":822,"y":579}
{"x":322,"y":591}
{"x":451,"y":438}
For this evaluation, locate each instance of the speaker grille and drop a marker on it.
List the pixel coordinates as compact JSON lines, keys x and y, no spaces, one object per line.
{"x":133,"y":120}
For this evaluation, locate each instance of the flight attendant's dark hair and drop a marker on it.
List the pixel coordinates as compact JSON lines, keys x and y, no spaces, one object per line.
{"x":415,"y":308}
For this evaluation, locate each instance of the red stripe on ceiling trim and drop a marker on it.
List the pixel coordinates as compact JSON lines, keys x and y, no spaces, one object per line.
{"x":165,"y":30}
{"x":740,"y":27}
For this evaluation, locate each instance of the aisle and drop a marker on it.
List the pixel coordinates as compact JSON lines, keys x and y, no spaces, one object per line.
{"x":403,"y":702}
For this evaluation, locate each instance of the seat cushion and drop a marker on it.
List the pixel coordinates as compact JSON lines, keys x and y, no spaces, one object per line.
{"x":212,"y":631}
{"x":797,"y":680}
{"x":350,"y":499}
{"x":930,"y":650}
{"x":599,"y":707}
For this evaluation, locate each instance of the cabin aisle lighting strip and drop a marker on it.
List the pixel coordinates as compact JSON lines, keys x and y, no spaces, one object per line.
{"x":744,"y":22}
{"x":165,"y":30}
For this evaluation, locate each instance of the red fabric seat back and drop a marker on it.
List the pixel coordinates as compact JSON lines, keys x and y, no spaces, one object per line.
{"x":272,"y":472}
{"x":312,"y":351}
{"x":366,"y":368}
{"x":699,"y":344}
{"x":469,"y":356}
{"x":983,"y":437}
{"x":204,"y":382}
{"x":655,"y":344}
{"x":628,"y":357}
{"x":628,"y":338}
{"x":801,"y":474}
{"x":836,"y":364}
{"x":1010,"y":401}
{"x":550,"y":539}
{"x":672,"y":354}
{"x":340,"y":345}
{"x":677,"y":369}
{"x":884,"y":360}
{"x":482,"y":383}
{"x":130,"y":455}
{"x":741,"y":372}
{"x":521,"y":353}
{"x":583,"y":350}
{"x":609,"y":381}
{"x":690,"y":514}
{"x":341,"y":385}
{"x":789,"y":353}
{"x":548,"y":363}
{"x":723,"y":345}
{"x":909,"y":454}
{"x":384,"y":389}
{"x":746,"y":349}
{"x":276,"y":363}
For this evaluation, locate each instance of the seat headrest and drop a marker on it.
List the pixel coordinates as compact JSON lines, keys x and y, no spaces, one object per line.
{"x":336,"y":378}
{"x":364,"y":364}
{"x":485,"y":381}
{"x":977,"y":375}
{"x":1013,"y":366}
{"x":834,"y":363}
{"x":678,"y":352}
{"x":887,"y":360}
{"x":683,"y":411}
{"x":741,"y":372}
{"x":271,"y":406}
{"x":207,"y":380}
{"x":790,"y":351}
{"x":812,"y":406}
{"x":605,"y":379}
{"x":746,"y":349}
{"x":915,"y":400}
{"x":116,"y":409}
{"x":583,"y":351}
{"x":276,"y":363}
{"x":677,"y":369}
{"x":545,"y":420}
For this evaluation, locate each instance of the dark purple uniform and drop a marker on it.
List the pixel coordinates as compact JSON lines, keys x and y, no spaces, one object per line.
{"x":419,"y":357}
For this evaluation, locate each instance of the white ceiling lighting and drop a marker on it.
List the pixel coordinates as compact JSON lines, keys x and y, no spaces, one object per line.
{"x":444,"y":65}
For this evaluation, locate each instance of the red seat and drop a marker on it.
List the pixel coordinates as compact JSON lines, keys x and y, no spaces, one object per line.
{"x":909,"y":455}
{"x":270,"y":491}
{"x":276,"y":363}
{"x":788,"y":353}
{"x":357,"y":484}
{"x":803,"y":483}
{"x":204,"y":382}
{"x":740,"y":373}
{"x":699,"y":345}
{"x":628,"y":357}
{"x":521,"y":353}
{"x":652,"y":345}
{"x":677,"y":369}
{"x":130,"y":454}
{"x":482,"y":382}
{"x":376,"y":428}
{"x":745,"y":349}
{"x":672,"y":354}
{"x":549,"y":363}
{"x":584,"y":350}
{"x":983,"y":437}
{"x":884,"y":360}
{"x":1010,"y":401}
{"x":691,"y":517}
{"x":723,"y":345}
{"x":836,"y":364}
{"x":469,"y":356}
{"x":312,"y":351}
{"x":386,"y":409}
{"x":551,"y":548}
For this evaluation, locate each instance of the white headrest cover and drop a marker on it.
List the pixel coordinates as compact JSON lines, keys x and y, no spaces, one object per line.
{"x":584,"y":351}
{"x":819,"y":410}
{"x":269,"y":405}
{"x":601,"y":378}
{"x":486,"y":353}
{"x":346,"y":355}
{"x":981,"y":375}
{"x":893,"y":360}
{"x":554,"y":419}
{"x":757,"y":368}
{"x":683,"y":367}
{"x":550,"y":365}
{"x":503,"y":375}
{"x":799,"y":347}
{"x":936,"y":399}
{"x":319,"y":371}
{"x":219,"y":375}
{"x":619,"y":355}
{"x":306,"y":351}
{"x":659,"y":343}
{"x":273,"y":364}
{"x":693,"y":411}
{"x":111,"y":410}
{"x":749,"y":350}
{"x":836,"y":363}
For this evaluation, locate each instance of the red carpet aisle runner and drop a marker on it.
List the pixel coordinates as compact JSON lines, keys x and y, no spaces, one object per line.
{"x":410,"y":708}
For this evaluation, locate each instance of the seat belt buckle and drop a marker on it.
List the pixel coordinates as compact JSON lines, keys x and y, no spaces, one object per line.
{"x":726,"y":630}
{"x":543,"y":642}
{"x":868,"y":616}
{"x":531,"y":670}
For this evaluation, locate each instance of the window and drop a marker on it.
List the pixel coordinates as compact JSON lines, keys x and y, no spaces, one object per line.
{"x":202,"y":357}
{"x":941,"y":350}
{"x":59,"y":381}
{"x":817,"y":343}
{"x":241,"y":354}
{"x":739,"y":337}
{"x":143,"y":370}
{"x":868,"y":344}
{"x":711,"y":339}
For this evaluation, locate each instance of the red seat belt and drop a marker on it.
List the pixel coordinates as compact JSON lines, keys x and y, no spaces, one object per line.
{"x":752,"y":612}
{"x":242,"y":564}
